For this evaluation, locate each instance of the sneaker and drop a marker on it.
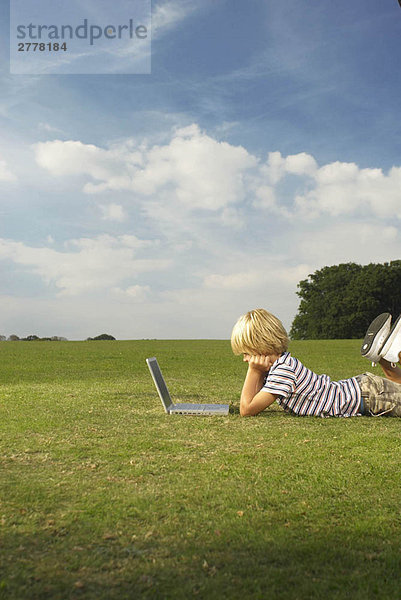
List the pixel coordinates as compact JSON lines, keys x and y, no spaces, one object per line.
{"x":392,"y":347}
{"x":376,"y":336}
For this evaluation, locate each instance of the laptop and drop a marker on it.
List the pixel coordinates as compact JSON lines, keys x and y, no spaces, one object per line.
{"x":180,"y":409}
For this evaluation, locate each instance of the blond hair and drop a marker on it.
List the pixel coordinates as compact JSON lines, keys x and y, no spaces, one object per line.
{"x":259,"y":332}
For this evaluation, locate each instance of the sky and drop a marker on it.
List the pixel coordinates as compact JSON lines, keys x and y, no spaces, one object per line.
{"x":263,"y":145}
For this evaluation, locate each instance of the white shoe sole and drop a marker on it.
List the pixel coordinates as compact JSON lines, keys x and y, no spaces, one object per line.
{"x":392,"y":348}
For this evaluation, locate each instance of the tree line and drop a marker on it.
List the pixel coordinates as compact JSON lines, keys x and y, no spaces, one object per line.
{"x":54,"y":338}
{"x":340,"y":301}
{"x":32,"y":338}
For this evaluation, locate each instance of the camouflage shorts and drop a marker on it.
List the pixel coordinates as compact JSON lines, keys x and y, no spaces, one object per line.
{"x":380,"y":396}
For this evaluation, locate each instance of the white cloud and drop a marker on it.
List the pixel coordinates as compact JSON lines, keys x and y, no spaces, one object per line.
{"x":132,"y":241}
{"x":278,"y":166}
{"x":203,"y":172}
{"x":232,"y":218}
{"x":169,"y":14}
{"x":194,"y":169}
{"x":88,"y":264}
{"x":133,"y":292}
{"x":234,"y":281}
{"x":113,"y":212}
{"x":49,"y":128}
{"x":344,"y":188}
{"x":266,"y":197}
{"x":252,"y":279}
{"x":230,"y":231}
{"x":194,"y":184}
{"x":336,"y":243}
{"x":5,"y":173}
{"x":301,"y":164}
{"x":75,"y":158}
{"x":266,"y":200}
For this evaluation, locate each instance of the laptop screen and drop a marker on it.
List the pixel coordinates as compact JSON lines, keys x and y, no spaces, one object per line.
{"x":159,"y":382}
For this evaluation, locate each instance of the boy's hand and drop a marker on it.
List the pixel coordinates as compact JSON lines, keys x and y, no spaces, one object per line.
{"x":260,"y":362}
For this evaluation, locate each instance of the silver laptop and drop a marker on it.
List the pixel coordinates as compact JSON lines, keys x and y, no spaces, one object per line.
{"x":180,"y":409}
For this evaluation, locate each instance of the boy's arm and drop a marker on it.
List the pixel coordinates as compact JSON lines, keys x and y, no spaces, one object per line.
{"x":253,"y":399}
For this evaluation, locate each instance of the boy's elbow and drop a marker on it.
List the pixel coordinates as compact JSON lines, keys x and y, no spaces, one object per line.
{"x":246,"y":411}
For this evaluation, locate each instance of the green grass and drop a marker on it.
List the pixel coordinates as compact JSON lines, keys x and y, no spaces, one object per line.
{"x":103,"y":496}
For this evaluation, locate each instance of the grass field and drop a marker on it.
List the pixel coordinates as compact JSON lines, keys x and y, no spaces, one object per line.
{"x":103,"y":496}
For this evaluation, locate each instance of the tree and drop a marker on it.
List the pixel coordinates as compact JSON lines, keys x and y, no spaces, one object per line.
{"x":340,"y":301}
{"x":34,"y":338}
{"x":3,"y":338}
{"x":102,"y":336}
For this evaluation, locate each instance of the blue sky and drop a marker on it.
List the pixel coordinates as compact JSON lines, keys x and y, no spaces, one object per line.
{"x":264,"y":145}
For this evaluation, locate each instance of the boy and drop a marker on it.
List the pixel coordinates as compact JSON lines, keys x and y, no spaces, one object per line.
{"x":273,"y":374}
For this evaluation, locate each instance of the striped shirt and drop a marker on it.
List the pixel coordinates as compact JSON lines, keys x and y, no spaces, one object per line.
{"x":304,"y":393}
